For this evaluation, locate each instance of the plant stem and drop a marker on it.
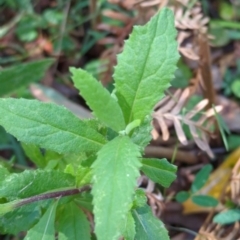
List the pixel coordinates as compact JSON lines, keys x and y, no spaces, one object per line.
{"x":49,"y":195}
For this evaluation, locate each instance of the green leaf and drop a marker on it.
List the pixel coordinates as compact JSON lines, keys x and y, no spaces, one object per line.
{"x":22,"y":219}
{"x":7,"y":207}
{"x":230,"y":216}
{"x":233,"y":141}
{"x":43,"y":158}
{"x":44,"y":229}
{"x":159,"y":170}
{"x":114,"y":179}
{"x":221,"y":35}
{"x":3,"y":173}
{"x":4,"y":138}
{"x":182,"y":196}
{"x":130,"y":231}
{"x":222,"y":127}
{"x":201,"y":178}
{"x":99,"y":99}
{"x":148,"y":227}
{"x":146,"y":66}
{"x":142,"y":134}
{"x":21,"y":75}
{"x":140,"y":198}
{"x":205,"y":200}
{"x":226,"y":11}
{"x":30,"y":183}
{"x":73,"y":224}
{"x":48,"y":125}
{"x":34,"y":153}
{"x":182,"y":75}
{"x":85,"y":201}
{"x":82,"y":174}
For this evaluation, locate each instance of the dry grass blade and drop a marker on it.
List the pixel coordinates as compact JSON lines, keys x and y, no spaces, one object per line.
{"x":155,"y":197}
{"x":168,"y":114}
{"x":209,"y":114}
{"x":116,"y":15}
{"x":179,"y":131}
{"x":155,"y":203}
{"x":189,"y":53}
{"x":168,"y":102}
{"x":150,"y":3}
{"x":164,"y":128}
{"x":181,"y":102}
{"x":213,"y":231}
{"x":199,"y":107}
{"x":235,"y":183}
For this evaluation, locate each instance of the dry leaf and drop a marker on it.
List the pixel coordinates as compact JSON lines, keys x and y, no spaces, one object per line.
{"x":168,"y":113}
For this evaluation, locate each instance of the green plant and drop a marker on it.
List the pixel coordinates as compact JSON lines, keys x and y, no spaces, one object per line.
{"x":101,"y":154}
{"x":227,"y":217}
{"x":21,"y":75}
{"x":198,"y":198}
{"x":231,"y":81}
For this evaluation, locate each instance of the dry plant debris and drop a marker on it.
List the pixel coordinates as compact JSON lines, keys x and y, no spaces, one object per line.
{"x":213,"y":231}
{"x":235,"y":184}
{"x":168,"y":113}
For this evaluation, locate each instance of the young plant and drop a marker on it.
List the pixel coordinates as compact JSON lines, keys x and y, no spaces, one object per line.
{"x":194,"y":193}
{"x":102,"y":155}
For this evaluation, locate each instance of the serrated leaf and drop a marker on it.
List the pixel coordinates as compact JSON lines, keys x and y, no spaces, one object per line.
{"x":159,"y":170}
{"x":98,"y":99}
{"x":114,"y":178}
{"x":148,"y":227}
{"x":73,"y":224}
{"x":48,"y":126}
{"x":129,"y":232}
{"x":201,"y":178}
{"x":142,"y":134}
{"x":182,"y":196}
{"x":44,"y":229}
{"x":227,"y":217}
{"x":23,"y":74}
{"x":205,"y":200}
{"x":146,"y":66}
{"x":30,"y":183}
{"x":22,"y":219}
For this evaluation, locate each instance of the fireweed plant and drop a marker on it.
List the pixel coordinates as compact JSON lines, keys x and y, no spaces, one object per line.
{"x":89,"y":168}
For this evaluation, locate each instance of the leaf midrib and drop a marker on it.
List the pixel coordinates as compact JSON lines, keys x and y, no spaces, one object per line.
{"x":48,"y":220}
{"x":57,"y":128}
{"x":140,"y":221}
{"x":113,"y":185}
{"x":142,"y":72}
